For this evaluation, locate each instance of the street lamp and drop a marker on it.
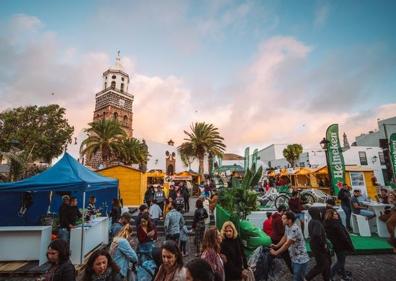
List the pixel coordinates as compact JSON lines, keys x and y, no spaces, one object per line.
{"x":324,"y":143}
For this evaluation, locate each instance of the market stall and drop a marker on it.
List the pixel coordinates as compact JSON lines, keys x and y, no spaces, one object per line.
{"x":65,"y":177}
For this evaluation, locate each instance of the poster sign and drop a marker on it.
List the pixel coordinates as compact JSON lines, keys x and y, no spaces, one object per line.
{"x":392,"y":145}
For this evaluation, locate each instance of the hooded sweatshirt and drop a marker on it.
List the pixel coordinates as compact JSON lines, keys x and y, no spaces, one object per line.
{"x":316,"y":232}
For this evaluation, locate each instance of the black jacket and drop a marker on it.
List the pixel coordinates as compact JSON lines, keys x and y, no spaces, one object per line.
{"x":236,"y":260}
{"x":74,"y":214}
{"x":338,"y":236}
{"x":115,"y":214}
{"x":317,"y":232}
{"x":64,"y":216}
{"x":64,"y":272}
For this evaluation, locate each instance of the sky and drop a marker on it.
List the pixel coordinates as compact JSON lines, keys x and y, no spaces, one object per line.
{"x":263,"y":72}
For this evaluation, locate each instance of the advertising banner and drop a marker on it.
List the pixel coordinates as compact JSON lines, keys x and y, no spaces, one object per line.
{"x":392,"y":145}
{"x":246,"y":160}
{"x":336,"y":165}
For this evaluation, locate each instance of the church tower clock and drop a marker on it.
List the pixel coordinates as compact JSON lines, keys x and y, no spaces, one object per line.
{"x":114,"y":101}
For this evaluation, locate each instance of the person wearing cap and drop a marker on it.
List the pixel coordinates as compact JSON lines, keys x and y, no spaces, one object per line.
{"x":64,"y":219}
{"x":124,"y":220}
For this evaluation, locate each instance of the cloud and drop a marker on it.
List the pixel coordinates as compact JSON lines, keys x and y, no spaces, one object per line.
{"x":321,"y":14}
{"x":281,"y":96}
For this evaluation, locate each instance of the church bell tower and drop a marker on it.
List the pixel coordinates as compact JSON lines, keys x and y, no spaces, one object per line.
{"x":114,"y":101}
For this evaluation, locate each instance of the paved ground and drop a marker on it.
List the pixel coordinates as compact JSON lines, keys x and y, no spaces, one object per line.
{"x":364,"y":268}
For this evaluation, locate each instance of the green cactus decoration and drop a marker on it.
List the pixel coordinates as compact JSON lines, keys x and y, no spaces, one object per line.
{"x":241,"y":198}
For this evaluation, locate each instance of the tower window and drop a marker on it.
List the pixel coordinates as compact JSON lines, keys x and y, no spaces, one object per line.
{"x":122,"y":87}
{"x":125,"y":121}
{"x":113,"y":77}
{"x":113,"y":84}
{"x":122,"y":79}
{"x":115,"y":116}
{"x":105,"y":85}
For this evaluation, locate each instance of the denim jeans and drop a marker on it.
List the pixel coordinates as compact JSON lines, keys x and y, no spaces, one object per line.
{"x":339,"y":266}
{"x":348,"y":212}
{"x":366,"y":213}
{"x":64,"y":234}
{"x":299,"y":271}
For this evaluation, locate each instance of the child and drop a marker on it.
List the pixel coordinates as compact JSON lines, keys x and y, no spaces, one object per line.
{"x":184,"y":232}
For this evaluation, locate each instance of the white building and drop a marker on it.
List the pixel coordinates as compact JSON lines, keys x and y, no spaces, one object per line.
{"x":365,"y":156}
{"x":372,"y":138}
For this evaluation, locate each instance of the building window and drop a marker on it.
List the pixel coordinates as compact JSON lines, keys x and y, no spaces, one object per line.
{"x":381,"y":158}
{"x":115,"y":116}
{"x":113,"y":84}
{"x":113,"y":77}
{"x":363,"y":158}
{"x":125,"y":121}
{"x":105,"y":85}
{"x":122,"y":87}
{"x":122,"y":79}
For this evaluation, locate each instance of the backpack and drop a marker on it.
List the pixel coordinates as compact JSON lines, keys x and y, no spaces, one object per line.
{"x":264,"y":266}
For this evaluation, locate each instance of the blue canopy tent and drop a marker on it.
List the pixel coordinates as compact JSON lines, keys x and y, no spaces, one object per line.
{"x":66,"y":176}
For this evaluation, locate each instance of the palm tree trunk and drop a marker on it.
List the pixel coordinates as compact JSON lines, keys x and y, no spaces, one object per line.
{"x":201,"y":167}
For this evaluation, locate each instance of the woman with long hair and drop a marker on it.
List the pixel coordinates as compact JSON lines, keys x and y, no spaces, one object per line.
{"x":231,"y":248}
{"x":199,"y":270}
{"x":58,"y":255}
{"x":101,"y":266}
{"x":121,"y":251}
{"x":171,"y":268}
{"x":147,"y":234}
{"x":200,"y":215}
{"x":340,"y":239}
{"x":211,"y":251}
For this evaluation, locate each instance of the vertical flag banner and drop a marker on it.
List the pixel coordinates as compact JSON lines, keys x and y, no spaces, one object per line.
{"x":246,"y":160}
{"x":254,"y":158}
{"x":335,"y":158}
{"x":392,"y":145}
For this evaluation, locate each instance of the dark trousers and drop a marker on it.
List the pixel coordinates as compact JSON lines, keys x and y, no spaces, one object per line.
{"x":348,"y":212}
{"x":286,"y":257}
{"x":322,"y":266}
{"x":183,"y":247}
{"x":186,"y":204}
{"x":174,"y":237}
{"x":339,"y":266}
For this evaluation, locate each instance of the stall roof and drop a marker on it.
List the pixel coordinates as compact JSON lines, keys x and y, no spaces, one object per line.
{"x":348,"y":168}
{"x":66,"y":175}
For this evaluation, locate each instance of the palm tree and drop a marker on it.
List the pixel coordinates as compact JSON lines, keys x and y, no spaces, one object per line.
{"x":204,"y":139}
{"x":186,"y":154}
{"x":134,"y":152}
{"x":104,"y":137}
{"x":292,"y":153}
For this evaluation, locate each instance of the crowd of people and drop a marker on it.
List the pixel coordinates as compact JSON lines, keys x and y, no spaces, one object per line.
{"x":136,"y":255}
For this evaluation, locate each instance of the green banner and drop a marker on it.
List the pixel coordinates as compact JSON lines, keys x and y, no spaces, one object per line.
{"x":254,"y":158}
{"x":336,"y":165}
{"x":392,"y":145}
{"x":246,"y":160}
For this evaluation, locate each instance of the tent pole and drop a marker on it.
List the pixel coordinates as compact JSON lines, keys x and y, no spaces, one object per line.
{"x":82,"y":230}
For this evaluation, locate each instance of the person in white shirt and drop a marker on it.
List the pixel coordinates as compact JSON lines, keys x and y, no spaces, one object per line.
{"x":155,"y":212}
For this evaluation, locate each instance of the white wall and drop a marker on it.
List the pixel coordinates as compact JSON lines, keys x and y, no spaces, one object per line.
{"x":158,"y":158}
{"x":351,"y":157}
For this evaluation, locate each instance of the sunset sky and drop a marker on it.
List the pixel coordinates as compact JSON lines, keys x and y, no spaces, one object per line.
{"x":263,"y":72}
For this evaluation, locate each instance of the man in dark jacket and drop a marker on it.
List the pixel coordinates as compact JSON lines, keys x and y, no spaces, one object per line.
{"x":318,"y":246}
{"x":64,"y":219}
{"x":74,"y":212}
{"x":345,"y":196}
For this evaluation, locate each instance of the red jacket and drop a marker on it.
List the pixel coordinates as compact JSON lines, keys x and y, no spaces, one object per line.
{"x":142,"y":235}
{"x":278,"y":229}
{"x":267,"y":226}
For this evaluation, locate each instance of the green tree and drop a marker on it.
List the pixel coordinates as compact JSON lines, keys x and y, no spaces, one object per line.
{"x":104,"y":137}
{"x":204,"y":139}
{"x":186,"y":152}
{"x":134,"y":152}
{"x":292,"y":153}
{"x":41,"y":132}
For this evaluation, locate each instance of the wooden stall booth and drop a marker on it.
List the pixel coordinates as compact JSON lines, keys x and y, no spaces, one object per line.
{"x":132,"y":183}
